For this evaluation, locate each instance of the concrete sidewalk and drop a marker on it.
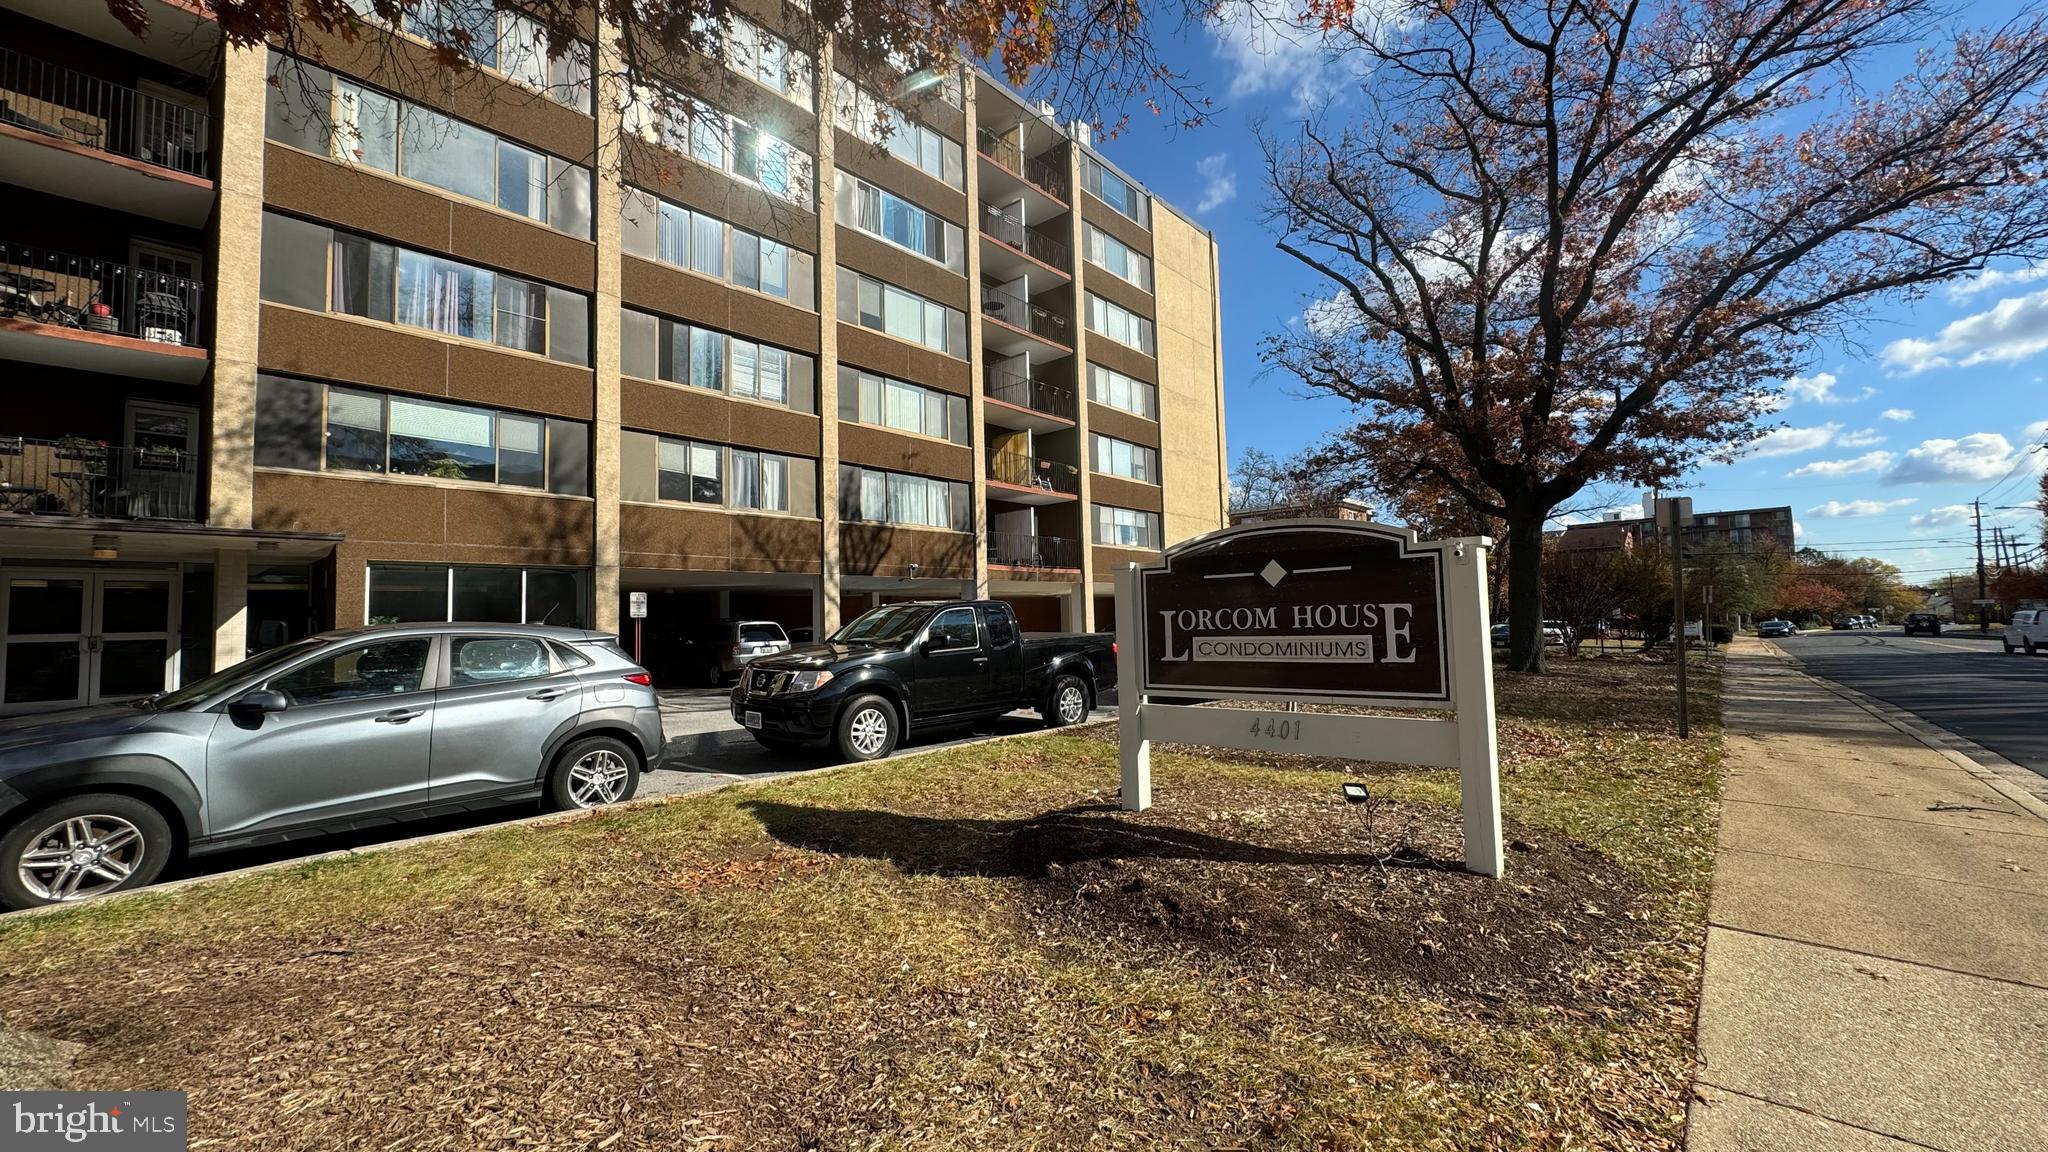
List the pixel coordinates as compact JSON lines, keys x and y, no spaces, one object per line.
{"x":1877,"y":949}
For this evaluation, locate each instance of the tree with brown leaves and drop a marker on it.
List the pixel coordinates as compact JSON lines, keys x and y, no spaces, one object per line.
{"x":1573,"y":243}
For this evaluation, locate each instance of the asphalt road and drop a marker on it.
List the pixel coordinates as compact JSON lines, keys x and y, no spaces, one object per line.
{"x":1964,"y":684}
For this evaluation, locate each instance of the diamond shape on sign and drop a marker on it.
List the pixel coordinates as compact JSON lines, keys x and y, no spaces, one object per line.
{"x":1273,"y":572}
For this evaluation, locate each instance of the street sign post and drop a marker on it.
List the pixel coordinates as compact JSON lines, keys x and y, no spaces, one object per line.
{"x":1673,"y":514}
{"x":1322,"y":612}
{"x":636,"y":608}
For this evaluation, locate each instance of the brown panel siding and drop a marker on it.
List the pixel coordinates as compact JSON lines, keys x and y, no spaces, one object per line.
{"x":1121,"y":424}
{"x":397,"y":520}
{"x":407,"y":67}
{"x":1120,"y":292}
{"x":886,"y":448}
{"x":501,"y":240}
{"x":864,"y":253}
{"x":698,"y":414}
{"x":392,"y":359}
{"x":1104,"y":489}
{"x":889,"y":356}
{"x":1126,"y":360}
{"x":681,"y":180}
{"x":886,"y":550}
{"x":652,"y":287}
{"x":696,"y":539}
{"x":1095,"y":212}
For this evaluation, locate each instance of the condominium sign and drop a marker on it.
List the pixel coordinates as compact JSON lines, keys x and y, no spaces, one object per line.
{"x":1332,"y":612}
{"x":1315,"y":612}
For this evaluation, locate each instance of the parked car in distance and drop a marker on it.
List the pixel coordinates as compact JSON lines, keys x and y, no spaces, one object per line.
{"x":336,"y":731}
{"x":1775,"y":628}
{"x":905,"y":667}
{"x":1926,"y":622}
{"x":714,"y":651}
{"x":1553,"y":633}
{"x":1847,"y":623}
{"x":2027,"y":631}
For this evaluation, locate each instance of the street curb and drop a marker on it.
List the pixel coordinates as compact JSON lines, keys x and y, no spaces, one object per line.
{"x":2015,"y":782}
{"x":541,"y":819}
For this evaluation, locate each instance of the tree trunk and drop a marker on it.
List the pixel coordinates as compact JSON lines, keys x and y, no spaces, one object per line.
{"x":1525,"y":590}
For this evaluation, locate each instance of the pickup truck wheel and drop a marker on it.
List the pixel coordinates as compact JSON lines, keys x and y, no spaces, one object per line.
{"x":867,"y":729}
{"x":593,"y":772}
{"x":1066,"y":703}
{"x":80,"y":847}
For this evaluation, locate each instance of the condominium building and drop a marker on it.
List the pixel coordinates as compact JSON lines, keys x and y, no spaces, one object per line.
{"x":305,"y":341}
{"x":1743,"y":529}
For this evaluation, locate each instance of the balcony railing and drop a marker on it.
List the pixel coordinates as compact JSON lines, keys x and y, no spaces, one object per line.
{"x":1010,"y":231}
{"x":1023,"y":550}
{"x":62,"y":104}
{"x":1026,"y":471}
{"x":68,"y":291}
{"x":1024,"y":392}
{"x":1045,"y":177}
{"x":90,"y":479}
{"x":1014,"y":310}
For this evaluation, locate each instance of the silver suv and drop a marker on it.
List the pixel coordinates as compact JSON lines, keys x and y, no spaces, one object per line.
{"x":336,"y":731}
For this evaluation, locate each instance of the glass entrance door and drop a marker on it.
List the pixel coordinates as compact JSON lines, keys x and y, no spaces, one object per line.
{"x":77,"y":638}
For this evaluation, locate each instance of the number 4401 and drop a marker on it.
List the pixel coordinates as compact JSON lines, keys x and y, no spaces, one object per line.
{"x":1276,"y":728}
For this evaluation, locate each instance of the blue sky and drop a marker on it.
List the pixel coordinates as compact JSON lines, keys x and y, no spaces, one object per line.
{"x":1937,"y":405}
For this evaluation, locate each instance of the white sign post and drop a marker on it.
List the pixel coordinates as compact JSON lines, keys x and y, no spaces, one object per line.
{"x":1358,"y":632}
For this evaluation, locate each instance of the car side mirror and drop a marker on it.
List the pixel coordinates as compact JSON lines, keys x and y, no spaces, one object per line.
{"x":931,"y":644}
{"x":259,"y":701}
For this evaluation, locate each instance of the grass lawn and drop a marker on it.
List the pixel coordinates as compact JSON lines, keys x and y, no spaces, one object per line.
{"x":966,"y":949}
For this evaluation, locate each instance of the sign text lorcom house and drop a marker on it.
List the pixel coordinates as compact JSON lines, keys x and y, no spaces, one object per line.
{"x":1359,"y":633}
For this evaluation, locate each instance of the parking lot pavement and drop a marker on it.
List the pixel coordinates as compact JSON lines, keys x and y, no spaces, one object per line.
{"x":707,"y":748}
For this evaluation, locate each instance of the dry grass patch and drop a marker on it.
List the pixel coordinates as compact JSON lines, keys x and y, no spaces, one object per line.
{"x":967,"y":949}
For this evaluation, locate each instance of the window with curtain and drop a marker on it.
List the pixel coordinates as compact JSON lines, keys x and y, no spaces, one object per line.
{"x":878,"y":123}
{"x":655,"y":229}
{"x":1114,"y":457}
{"x":443,"y":296}
{"x":1122,"y":392}
{"x":884,"y":307}
{"x":1116,"y":257}
{"x":355,"y":431}
{"x":522,"y":181}
{"x":875,"y":496}
{"x":1115,"y":191}
{"x":1126,"y":527}
{"x":888,"y":217}
{"x":522,"y":315}
{"x":1119,"y":324}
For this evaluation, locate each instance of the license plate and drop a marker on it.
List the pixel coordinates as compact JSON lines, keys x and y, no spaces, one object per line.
{"x":751,"y":719}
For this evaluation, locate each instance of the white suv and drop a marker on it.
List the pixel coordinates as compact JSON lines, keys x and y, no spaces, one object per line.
{"x":2029,"y":627}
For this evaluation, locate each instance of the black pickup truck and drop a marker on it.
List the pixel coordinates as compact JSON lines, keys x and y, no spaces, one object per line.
{"x":904,"y":667}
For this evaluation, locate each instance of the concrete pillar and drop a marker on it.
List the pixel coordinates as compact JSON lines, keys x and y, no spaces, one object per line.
{"x":1085,"y":513}
{"x":604,"y":332}
{"x":230,"y":609}
{"x":976,"y":409}
{"x":828,"y":345}
{"x":237,"y":294}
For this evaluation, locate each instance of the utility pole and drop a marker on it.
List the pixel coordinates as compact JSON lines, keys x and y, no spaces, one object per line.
{"x":1674,"y":512}
{"x":1983,"y":621}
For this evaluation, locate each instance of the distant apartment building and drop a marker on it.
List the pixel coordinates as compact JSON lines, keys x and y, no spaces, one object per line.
{"x":1744,"y":529}
{"x":1324,"y":510}
{"x":300,"y":345}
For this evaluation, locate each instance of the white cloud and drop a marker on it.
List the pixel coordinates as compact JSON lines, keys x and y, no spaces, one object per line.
{"x":2036,"y":432}
{"x":1275,"y":46}
{"x":1791,"y":441}
{"x":1946,"y":516}
{"x":1976,"y":458}
{"x":2013,"y":329}
{"x":1993,"y":279}
{"x":1819,"y":388}
{"x":1901,"y":414}
{"x":1861,"y":438}
{"x":1835,"y":509}
{"x":1868,"y":462}
{"x":1219,"y":183}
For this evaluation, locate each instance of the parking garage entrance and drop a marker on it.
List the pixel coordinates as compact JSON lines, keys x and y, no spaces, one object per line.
{"x":689,"y":624}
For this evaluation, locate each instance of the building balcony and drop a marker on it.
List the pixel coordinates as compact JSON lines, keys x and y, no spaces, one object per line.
{"x":1020,"y":478}
{"x":1017,"y":326}
{"x":1014,"y":401}
{"x":181,"y":33}
{"x":1007,"y":173}
{"x":97,"y":142}
{"x":96,"y":316}
{"x":1009,"y":249}
{"x":1023,"y":552}
{"x":83,"y":479}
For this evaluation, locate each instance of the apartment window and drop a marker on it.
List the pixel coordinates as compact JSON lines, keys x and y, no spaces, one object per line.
{"x":1126,"y":527}
{"x":870,"y":303}
{"x":869,"y":398}
{"x":760,"y":480}
{"x":687,"y":125}
{"x":680,"y":471}
{"x":760,"y":55}
{"x":887,"y":216}
{"x":1115,"y":191}
{"x":690,"y":473}
{"x":1122,"y":392}
{"x":1115,"y":257}
{"x":1119,"y":324}
{"x":439,"y":593}
{"x":313,"y":266}
{"x":885,"y":126}
{"x":313,"y":109}
{"x":654,"y":229}
{"x":1113,"y":457}
{"x":867,"y":494}
{"x":657,"y":348}
{"x":317,"y":427}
